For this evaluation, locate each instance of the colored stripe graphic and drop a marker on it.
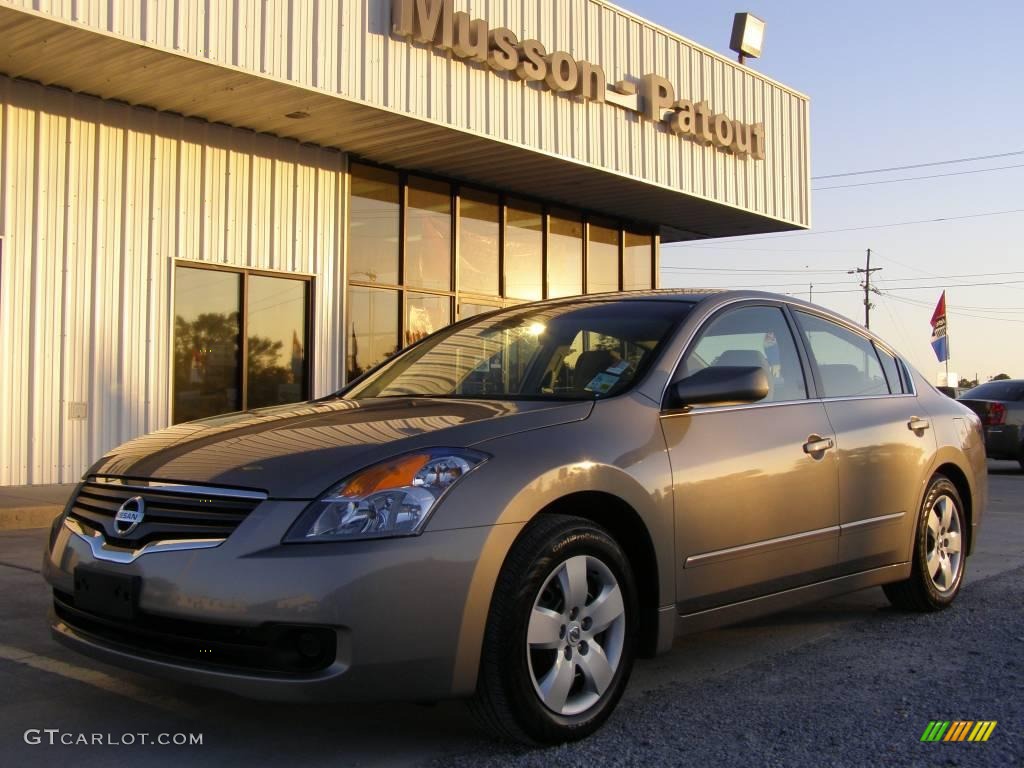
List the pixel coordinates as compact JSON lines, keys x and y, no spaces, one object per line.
{"x":935,"y":730}
{"x":984,"y":730}
{"x":958,"y":730}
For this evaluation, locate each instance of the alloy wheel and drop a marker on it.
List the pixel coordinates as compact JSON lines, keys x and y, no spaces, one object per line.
{"x":944,"y":544}
{"x":576,"y":635}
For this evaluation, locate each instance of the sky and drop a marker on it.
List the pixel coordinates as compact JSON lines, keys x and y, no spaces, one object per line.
{"x":891,"y":84}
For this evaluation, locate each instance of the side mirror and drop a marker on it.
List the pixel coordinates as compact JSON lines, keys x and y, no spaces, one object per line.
{"x":720,"y":385}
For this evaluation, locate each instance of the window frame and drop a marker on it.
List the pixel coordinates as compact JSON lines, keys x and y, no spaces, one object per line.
{"x":243,"y":324}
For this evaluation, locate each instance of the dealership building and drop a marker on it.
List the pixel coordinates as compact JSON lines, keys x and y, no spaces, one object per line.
{"x":208,"y":206}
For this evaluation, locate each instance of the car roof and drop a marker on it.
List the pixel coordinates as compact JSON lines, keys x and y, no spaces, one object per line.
{"x":719,"y":296}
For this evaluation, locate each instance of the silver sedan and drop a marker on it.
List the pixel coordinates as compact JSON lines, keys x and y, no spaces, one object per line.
{"x":515,"y":508}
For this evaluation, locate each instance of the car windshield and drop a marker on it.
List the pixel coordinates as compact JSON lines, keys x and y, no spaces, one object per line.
{"x":579,"y":351}
{"x":996,"y":390}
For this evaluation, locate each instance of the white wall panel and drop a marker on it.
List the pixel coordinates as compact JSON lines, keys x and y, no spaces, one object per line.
{"x":97,"y":201}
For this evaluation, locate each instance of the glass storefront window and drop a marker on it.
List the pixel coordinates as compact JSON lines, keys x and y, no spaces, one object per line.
{"x":426,"y":314}
{"x":209,"y":327}
{"x":636,"y":262}
{"x":276,"y":341}
{"x":207,"y":343}
{"x":372,"y":329}
{"x":470,"y":309}
{"x":479,"y":242}
{"x":565,"y":256}
{"x":373,"y":225}
{"x":524,"y":246}
{"x":603,"y":260}
{"x":428,"y":235}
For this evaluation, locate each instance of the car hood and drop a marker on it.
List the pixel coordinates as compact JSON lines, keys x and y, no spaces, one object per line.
{"x":298,"y":451}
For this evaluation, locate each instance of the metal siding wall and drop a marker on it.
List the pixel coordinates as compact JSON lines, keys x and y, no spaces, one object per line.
{"x":97,"y":200}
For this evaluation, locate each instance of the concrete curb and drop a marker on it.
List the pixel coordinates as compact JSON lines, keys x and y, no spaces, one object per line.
{"x":29,"y":517}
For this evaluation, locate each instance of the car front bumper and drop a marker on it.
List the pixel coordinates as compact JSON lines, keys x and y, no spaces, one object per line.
{"x":397,"y":608}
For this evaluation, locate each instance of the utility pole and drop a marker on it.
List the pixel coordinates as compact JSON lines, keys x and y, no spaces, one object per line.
{"x":866,"y":285}
{"x":810,"y":293}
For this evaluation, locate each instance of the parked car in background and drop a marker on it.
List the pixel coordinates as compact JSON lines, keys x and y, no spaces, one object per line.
{"x":1000,"y":404}
{"x":517,"y":506}
{"x":953,"y":392}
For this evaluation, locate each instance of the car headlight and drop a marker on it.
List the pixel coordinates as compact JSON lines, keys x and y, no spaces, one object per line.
{"x":392,"y":498}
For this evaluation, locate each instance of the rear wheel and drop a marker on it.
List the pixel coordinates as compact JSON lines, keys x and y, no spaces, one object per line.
{"x":560,"y":638}
{"x":940,"y":552}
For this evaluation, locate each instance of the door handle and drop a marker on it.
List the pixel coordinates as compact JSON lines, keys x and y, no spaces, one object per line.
{"x":816,"y":444}
{"x":917,"y":424}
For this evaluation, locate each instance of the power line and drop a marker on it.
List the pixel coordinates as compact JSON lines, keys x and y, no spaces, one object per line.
{"x":917,"y":178}
{"x":756,"y":271}
{"x":918,"y":165}
{"x":957,"y":312}
{"x":880,"y":226}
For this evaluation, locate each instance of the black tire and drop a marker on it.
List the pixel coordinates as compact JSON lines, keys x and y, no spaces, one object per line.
{"x":919,"y":592}
{"x":506,"y":702}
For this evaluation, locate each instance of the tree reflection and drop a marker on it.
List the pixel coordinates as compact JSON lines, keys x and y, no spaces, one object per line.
{"x":207,"y":369}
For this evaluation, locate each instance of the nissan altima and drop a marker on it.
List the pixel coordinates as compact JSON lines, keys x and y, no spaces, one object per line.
{"x":518,"y":506}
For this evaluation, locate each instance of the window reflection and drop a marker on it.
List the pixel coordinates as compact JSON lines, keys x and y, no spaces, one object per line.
{"x":372,"y":328}
{"x":428,"y":235}
{"x":426,"y":314}
{"x":524,"y":245}
{"x":206,"y":343}
{"x":276,"y":341}
{"x":565,"y":257}
{"x":469,"y":309}
{"x":603,"y":260}
{"x":479,"y":230}
{"x":373,"y":225}
{"x":636,"y":261}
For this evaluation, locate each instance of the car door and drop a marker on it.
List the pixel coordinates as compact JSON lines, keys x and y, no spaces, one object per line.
{"x":755,"y":486}
{"x":883,"y":437}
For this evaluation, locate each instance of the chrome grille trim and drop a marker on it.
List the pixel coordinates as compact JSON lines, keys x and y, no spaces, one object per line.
{"x":131,"y":484}
{"x":111,"y":554}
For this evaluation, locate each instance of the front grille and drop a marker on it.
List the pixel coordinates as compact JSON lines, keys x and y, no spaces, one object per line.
{"x":268,"y":648}
{"x":171,"y":511}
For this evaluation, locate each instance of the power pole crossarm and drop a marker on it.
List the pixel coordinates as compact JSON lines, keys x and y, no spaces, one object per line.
{"x":867,"y":271}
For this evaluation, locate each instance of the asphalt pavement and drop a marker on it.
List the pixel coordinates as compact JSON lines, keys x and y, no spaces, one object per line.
{"x":847,"y":682}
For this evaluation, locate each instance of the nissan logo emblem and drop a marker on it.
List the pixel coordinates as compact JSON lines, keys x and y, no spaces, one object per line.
{"x":129,"y":515}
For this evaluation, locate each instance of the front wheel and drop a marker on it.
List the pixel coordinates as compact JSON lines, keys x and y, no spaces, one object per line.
{"x":560,"y":638}
{"x":939,"y":552}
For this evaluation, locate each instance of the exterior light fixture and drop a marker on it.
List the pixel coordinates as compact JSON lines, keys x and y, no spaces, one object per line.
{"x":747,"y":36}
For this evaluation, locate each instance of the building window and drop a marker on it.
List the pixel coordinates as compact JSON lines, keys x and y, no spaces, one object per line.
{"x":373,"y":320}
{"x":602,"y":259}
{"x":410,"y":271}
{"x":524,"y":251}
{"x":373,"y":222}
{"x":426,"y":313}
{"x":240,"y":341}
{"x":637,"y":261}
{"x":428,"y":235}
{"x":479,"y":242}
{"x":565,"y":256}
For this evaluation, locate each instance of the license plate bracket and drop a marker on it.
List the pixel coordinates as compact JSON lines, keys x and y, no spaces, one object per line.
{"x":113,"y":595}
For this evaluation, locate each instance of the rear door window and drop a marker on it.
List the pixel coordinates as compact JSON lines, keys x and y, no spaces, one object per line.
{"x":847,"y":363}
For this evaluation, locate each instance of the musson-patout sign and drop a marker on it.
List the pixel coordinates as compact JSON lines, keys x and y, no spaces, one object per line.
{"x":435,"y":23}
